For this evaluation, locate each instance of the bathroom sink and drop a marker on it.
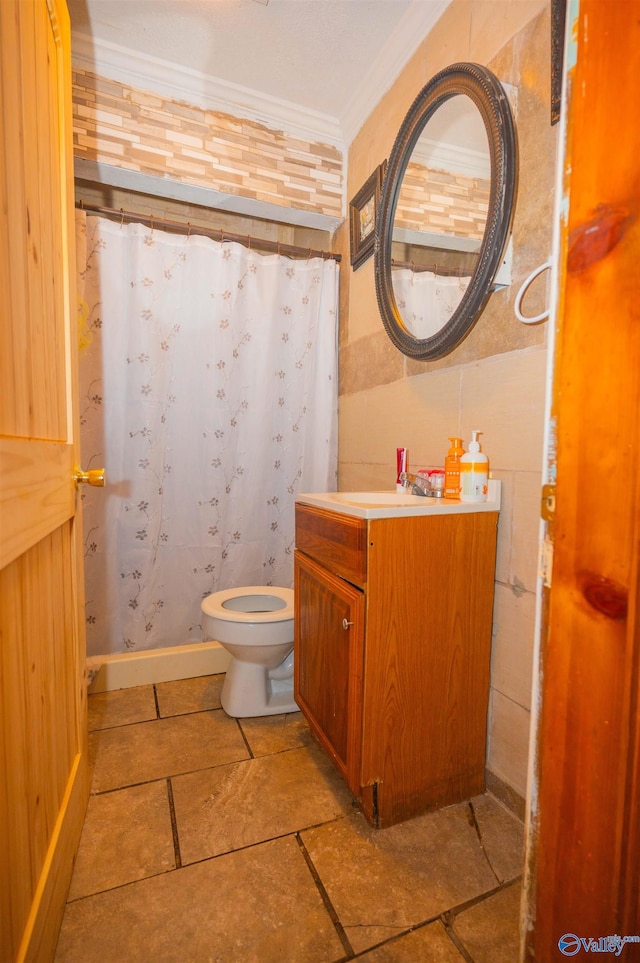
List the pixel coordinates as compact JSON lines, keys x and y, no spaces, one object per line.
{"x":376,"y":498}
{"x":392,"y":504}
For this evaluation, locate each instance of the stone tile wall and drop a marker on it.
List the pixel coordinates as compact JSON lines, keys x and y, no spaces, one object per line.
{"x":442,"y":202}
{"x":144,"y":132}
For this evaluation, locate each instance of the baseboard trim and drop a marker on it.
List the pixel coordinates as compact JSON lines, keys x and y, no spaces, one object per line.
{"x":127,"y":669}
{"x":507,"y":795}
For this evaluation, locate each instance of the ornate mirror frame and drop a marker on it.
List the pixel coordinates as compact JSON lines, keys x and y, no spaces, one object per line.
{"x":488,"y":95}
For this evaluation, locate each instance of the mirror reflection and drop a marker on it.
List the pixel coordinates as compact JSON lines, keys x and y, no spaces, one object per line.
{"x":440,"y":216}
{"x":445,"y":210}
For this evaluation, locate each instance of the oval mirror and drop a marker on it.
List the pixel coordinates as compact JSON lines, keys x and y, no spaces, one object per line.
{"x":445,"y":211}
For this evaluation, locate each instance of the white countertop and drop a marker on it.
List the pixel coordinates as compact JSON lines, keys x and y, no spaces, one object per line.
{"x":392,"y":504}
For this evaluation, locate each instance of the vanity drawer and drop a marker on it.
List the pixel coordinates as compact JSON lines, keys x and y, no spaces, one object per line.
{"x":338,"y":542}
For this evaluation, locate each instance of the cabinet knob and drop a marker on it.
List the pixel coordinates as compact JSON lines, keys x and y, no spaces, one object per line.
{"x":346,"y":624}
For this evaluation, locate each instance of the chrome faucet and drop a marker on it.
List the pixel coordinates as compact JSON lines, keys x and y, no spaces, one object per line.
{"x":415,"y":484}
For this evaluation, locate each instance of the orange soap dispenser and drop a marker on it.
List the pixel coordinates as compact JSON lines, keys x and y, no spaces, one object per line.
{"x":452,"y":469}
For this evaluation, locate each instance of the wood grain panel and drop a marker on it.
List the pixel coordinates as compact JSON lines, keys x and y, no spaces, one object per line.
{"x":33,"y":401}
{"x":429,"y":619}
{"x":328,"y":661}
{"x":39,"y":723}
{"x":337,"y":541}
{"x":35,"y":494}
{"x":43,"y":737}
{"x":584,"y":858}
{"x":14,"y":344}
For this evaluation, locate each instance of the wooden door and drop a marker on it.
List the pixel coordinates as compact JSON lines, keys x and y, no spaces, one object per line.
{"x":43,"y":757}
{"x":583,"y":866}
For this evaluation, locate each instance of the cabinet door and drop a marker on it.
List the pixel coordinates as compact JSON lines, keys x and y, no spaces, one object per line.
{"x":329,"y":652}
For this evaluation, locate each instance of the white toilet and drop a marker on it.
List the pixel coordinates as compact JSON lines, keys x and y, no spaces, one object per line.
{"x":255,"y":625}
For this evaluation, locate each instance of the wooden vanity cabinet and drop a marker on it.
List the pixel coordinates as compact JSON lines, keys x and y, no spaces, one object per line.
{"x":393,"y":620}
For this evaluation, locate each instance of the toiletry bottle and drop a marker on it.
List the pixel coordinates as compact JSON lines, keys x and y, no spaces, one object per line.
{"x":474,"y":473}
{"x":452,"y":469}
{"x":401,"y":465}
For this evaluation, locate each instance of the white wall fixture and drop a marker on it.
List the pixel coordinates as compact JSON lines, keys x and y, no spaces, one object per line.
{"x":521,"y":293}
{"x":503,"y":274}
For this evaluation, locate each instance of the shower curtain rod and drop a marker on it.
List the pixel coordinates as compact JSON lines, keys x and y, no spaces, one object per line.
{"x":440,"y":269}
{"x":178,"y":227}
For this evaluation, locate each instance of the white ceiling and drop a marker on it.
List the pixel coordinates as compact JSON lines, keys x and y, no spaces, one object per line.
{"x":314,"y":65}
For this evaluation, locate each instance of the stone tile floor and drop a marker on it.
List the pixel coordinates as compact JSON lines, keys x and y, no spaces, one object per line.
{"x":235,"y":841}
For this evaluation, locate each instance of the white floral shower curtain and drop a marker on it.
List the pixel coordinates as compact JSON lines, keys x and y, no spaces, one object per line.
{"x":427,"y":300}
{"x":208,"y":389}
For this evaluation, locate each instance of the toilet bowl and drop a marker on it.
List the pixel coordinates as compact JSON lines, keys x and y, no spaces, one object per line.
{"x":255,"y":625}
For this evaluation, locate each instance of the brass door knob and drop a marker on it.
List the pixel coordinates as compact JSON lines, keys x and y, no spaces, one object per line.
{"x":95,"y":477}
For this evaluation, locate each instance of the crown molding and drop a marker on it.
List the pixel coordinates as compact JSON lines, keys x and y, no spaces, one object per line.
{"x":384,"y":71}
{"x":452,"y":158}
{"x":175,"y":82}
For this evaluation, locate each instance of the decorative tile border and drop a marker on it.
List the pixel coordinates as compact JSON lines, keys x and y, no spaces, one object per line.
{"x":450,"y":203}
{"x":143,"y":132}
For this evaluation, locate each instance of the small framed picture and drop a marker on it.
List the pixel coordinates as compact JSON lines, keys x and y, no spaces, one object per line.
{"x":363,"y":214}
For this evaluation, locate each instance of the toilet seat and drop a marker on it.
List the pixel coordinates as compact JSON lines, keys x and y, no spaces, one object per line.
{"x":255,"y":624}
{"x":250,"y":604}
